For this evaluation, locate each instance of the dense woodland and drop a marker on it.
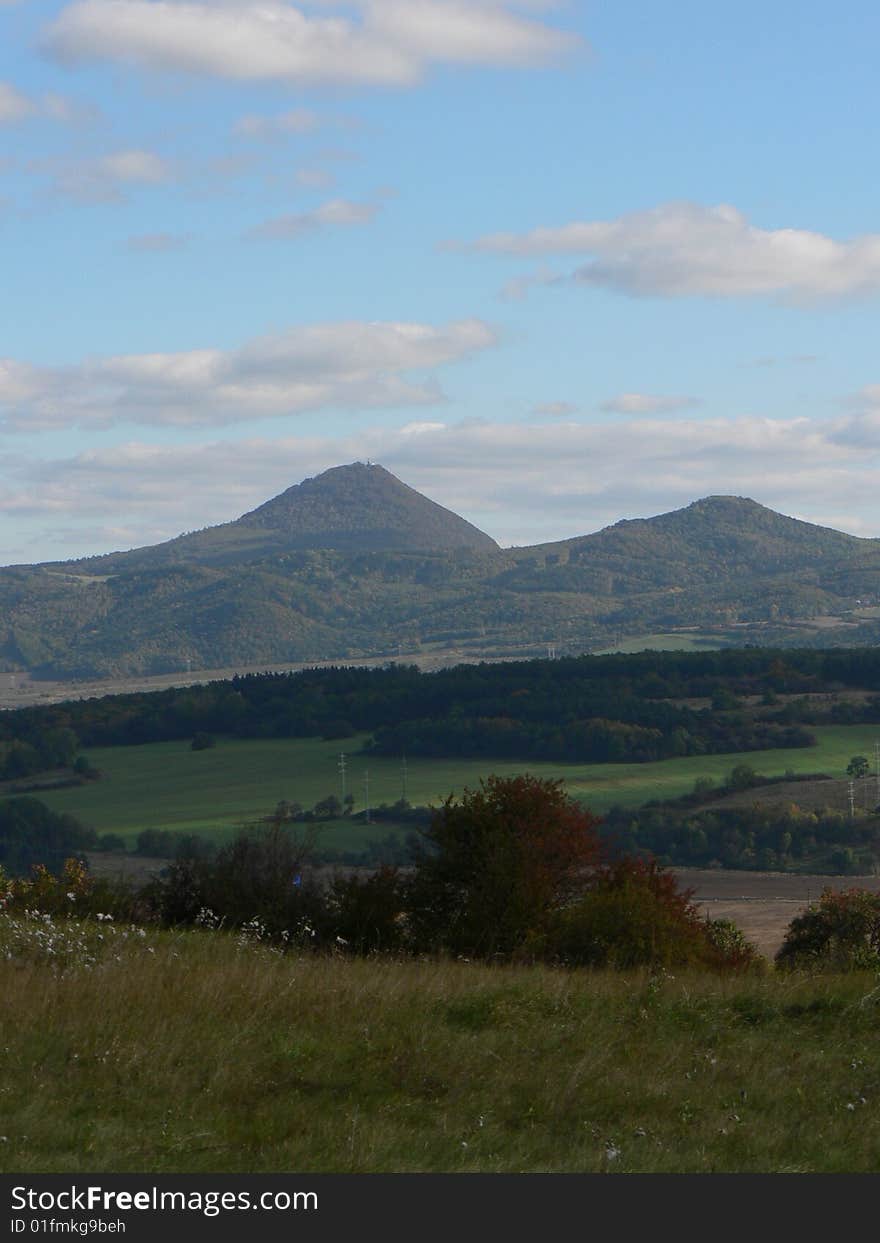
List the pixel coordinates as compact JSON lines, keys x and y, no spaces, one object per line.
{"x":647,"y":706}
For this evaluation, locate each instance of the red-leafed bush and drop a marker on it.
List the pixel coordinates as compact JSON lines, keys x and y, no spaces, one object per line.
{"x":633,"y":914}
{"x":496,"y":863}
{"x":840,"y":932}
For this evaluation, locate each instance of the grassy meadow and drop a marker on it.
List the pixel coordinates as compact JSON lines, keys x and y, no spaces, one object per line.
{"x":165,"y":785}
{"x":187,"y":1052}
{"x":676,"y":641}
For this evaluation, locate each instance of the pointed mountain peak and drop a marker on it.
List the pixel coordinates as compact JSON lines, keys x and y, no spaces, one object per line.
{"x":360,"y":507}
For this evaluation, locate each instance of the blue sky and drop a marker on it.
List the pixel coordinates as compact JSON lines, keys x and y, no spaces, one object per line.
{"x":552,"y":264}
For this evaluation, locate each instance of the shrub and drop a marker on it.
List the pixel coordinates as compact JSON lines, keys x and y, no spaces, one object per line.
{"x":632,"y":915}
{"x":367,"y":915}
{"x":731,"y":946}
{"x":179,"y":894}
{"x":329,"y":808}
{"x":172,"y":844}
{"x":158,"y":843}
{"x":840,"y":932}
{"x":71,"y":892}
{"x":256,"y":876}
{"x":496,"y":863}
{"x":743,"y":777}
{"x":111,"y":841}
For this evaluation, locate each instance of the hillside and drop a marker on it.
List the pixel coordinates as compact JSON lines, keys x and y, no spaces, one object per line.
{"x":355,"y":564}
{"x":719,"y":559}
{"x":198,"y":1056}
{"x":349,"y":509}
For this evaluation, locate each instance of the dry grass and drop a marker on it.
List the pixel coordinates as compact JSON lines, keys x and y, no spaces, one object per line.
{"x":188,"y":1053}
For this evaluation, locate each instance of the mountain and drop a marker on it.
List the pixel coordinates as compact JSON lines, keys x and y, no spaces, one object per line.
{"x":356,"y":508}
{"x":718,"y":536}
{"x":355,"y":564}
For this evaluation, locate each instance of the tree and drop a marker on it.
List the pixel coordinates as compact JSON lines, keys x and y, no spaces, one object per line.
{"x":367,"y":913}
{"x":58,"y":747}
{"x":742,"y":777}
{"x":82,"y":767}
{"x":857,"y":767}
{"x":840,"y":932}
{"x":496,"y":862}
{"x":724,"y":700}
{"x":633,"y":914}
{"x":257,"y":875}
{"x":328,"y":808}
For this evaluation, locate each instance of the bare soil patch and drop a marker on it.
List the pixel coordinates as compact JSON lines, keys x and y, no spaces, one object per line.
{"x":831,"y":792}
{"x":762,"y":904}
{"x":122,"y":866}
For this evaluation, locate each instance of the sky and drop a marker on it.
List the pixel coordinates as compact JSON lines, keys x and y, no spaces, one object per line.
{"x":552,"y":264}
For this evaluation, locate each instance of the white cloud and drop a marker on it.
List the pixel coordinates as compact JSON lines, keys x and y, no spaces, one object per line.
{"x":367,"y":42}
{"x":647,"y":403}
{"x":517,"y":289}
{"x":15,"y":106}
{"x":462,"y":31}
{"x":422,"y":428}
{"x":334,"y":213}
{"x":315,"y":178}
{"x":554,"y":409}
{"x":140,"y":166}
{"x":685,"y":249}
{"x":106,"y":178}
{"x":296,"y":121}
{"x":520,"y":483}
{"x":527,"y":483}
{"x":348,"y":365}
{"x":861,"y":430}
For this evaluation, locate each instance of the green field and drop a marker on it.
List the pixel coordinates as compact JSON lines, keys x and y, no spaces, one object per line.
{"x":674,"y":642}
{"x":188,"y":1053}
{"x":167,"y":786}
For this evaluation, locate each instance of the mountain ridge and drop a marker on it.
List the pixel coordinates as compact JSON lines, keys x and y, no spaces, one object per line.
{"x":353,"y":563}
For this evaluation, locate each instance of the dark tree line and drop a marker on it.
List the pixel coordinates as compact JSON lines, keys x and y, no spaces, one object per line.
{"x":30,"y":833}
{"x":761,"y":837}
{"x":631,"y":707}
{"x":36,"y":750}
